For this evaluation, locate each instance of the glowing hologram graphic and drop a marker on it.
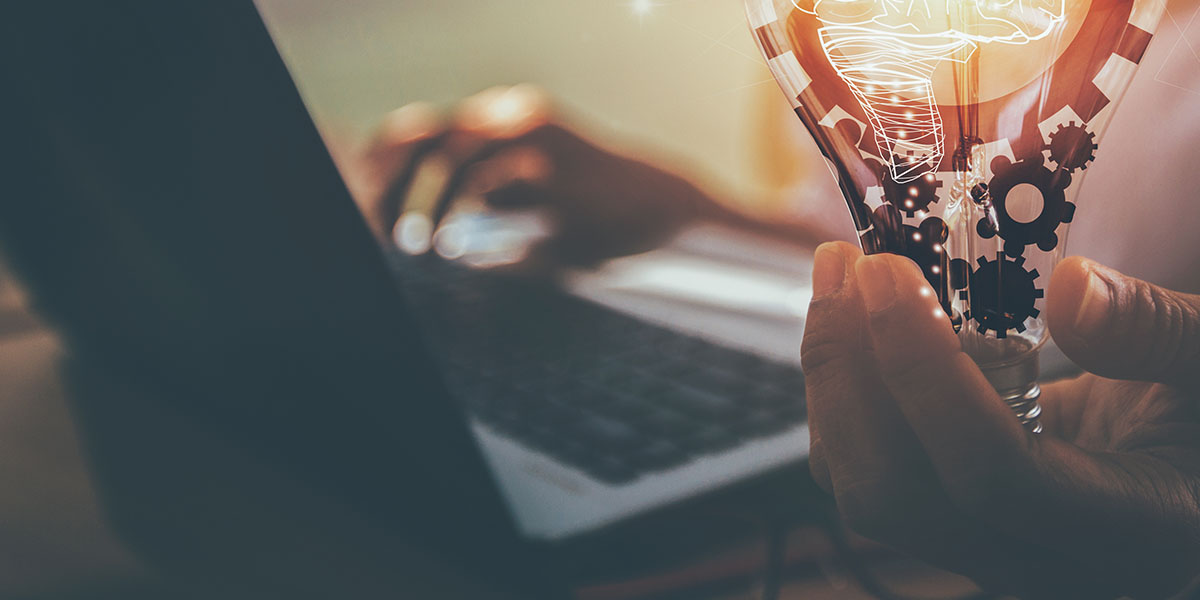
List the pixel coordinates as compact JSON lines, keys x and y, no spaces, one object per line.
{"x":887,"y":51}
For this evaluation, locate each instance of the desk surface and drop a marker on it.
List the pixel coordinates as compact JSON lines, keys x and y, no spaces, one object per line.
{"x":55,"y":541}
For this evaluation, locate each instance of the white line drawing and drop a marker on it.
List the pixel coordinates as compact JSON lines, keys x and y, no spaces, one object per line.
{"x":1158,"y":75}
{"x":887,"y":50}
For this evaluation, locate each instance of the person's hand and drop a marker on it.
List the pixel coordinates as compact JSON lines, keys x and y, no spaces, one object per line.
{"x":921,"y":454}
{"x":508,"y":148}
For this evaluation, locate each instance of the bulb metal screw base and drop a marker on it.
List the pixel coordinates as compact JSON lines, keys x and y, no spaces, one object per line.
{"x":1025,"y":405}
{"x":1017,"y":384}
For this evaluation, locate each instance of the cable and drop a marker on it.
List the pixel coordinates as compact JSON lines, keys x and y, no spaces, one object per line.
{"x":776,"y":559}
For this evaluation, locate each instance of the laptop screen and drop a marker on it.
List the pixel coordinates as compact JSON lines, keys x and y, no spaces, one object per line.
{"x":176,"y":214}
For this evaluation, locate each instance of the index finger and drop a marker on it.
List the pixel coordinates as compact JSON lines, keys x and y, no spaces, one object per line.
{"x":969,"y":433}
{"x":491,"y":122}
{"x":875,"y":465}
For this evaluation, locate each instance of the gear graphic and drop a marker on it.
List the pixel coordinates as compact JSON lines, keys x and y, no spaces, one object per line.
{"x":914,"y":196}
{"x":833,"y":112}
{"x":924,"y":245}
{"x":1072,"y":147}
{"x":1001,"y":295}
{"x":1055,"y":207}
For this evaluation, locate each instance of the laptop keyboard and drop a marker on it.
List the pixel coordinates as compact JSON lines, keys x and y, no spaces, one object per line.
{"x":611,"y":395}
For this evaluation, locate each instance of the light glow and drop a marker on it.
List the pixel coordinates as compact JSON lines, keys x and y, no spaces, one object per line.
{"x":887,"y":50}
{"x":642,"y":8}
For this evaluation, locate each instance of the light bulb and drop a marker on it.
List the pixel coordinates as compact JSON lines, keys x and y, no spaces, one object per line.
{"x":959,"y":132}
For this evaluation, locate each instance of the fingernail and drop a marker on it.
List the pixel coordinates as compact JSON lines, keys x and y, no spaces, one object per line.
{"x":876,"y":281}
{"x":413,"y":233}
{"x":1094,"y":309}
{"x":829,"y":271}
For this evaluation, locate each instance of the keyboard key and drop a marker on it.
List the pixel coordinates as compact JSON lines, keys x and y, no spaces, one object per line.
{"x":628,"y":409}
{"x":551,"y":416}
{"x":695,"y":402}
{"x":794,"y":413}
{"x":665,"y":423}
{"x":607,"y":434}
{"x":768,"y":396}
{"x":709,"y":440}
{"x":596,"y":389}
{"x":638,"y":384}
{"x":584,"y":397}
{"x":761,"y":424}
{"x":721,"y":383}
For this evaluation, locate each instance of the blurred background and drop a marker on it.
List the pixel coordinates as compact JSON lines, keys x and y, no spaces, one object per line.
{"x":679,"y":79}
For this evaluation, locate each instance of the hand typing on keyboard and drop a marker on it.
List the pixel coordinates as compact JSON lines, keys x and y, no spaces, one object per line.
{"x":921,"y":454}
{"x":509,"y":149}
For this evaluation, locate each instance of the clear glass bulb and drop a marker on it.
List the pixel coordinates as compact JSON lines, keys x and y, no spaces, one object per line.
{"x":959,"y":132}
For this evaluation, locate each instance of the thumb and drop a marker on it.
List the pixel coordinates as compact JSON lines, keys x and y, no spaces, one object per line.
{"x":1124,"y":328}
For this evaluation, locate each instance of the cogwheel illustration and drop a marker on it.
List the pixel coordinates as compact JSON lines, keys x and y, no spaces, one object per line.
{"x":1055,"y":207}
{"x":914,"y":196}
{"x":924,"y":245}
{"x":1001,"y":295}
{"x":1072,"y":147}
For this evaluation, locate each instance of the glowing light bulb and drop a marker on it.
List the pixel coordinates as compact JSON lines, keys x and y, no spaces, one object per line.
{"x":960,"y":131}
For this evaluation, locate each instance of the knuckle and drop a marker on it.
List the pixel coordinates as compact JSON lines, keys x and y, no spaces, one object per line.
{"x":820,"y":352}
{"x":1178,"y":323}
{"x":534,"y":99}
{"x":407,"y":125}
{"x":817,"y":352}
{"x":826,"y":339}
{"x":508,"y":112}
{"x":1173,"y":321}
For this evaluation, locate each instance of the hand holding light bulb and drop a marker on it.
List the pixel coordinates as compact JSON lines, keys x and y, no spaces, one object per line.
{"x":949,"y":154}
{"x":921,"y":454}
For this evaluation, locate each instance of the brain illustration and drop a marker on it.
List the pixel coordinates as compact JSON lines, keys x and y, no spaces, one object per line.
{"x":980,"y":21}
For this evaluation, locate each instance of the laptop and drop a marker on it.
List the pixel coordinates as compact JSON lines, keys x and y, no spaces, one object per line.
{"x":177,"y":215}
